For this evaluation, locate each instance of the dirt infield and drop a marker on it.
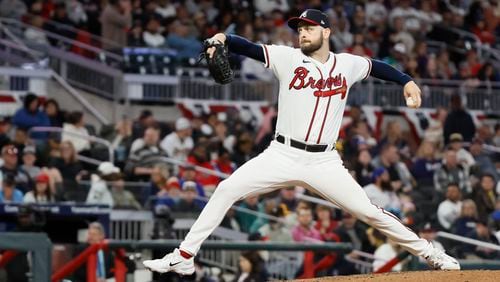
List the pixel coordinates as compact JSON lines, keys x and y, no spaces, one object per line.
{"x":418,"y":276}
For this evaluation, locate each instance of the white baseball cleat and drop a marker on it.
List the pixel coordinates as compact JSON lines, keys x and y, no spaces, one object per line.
{"x":438,"y":259}
{"x":171,"y":262}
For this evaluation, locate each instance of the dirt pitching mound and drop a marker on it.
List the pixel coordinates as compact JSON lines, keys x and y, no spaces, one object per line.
{"x":418,"y":276}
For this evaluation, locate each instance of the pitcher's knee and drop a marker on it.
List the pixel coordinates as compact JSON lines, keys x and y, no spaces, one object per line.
{"x":228,"y":189}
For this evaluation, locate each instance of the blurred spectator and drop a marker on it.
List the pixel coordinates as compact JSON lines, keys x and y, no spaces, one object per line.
{"x":5,"y":127}
{"x":57,"y":25}
{"x":121,"y":140}
{"x":458,"y":121}
{"x":14,"y":9}
{"x":170,"y":194}
{"x":180,"y":39}
{"x":145,"y":120}
{"x":144,"y":153}
{"x":116,"y":19}
{"x":29,"y":159}
{"x":179,"y":143}
{"x":159,"y":178}
{"x":34,"y":34}
{"x":484,"y":196}
{"x":400,"y":36}
{"x":199,"y":157}
{"x":76,"y":133}
{"x":276,"y":230}
{"x":76,"y":13}
{"x":395,"y":136}
{"x":466,"y":222}
{"x":223,"y":162}
{"x":266,"y":7}
{"x":68,"y":165}
{"x":251,"y":268}
{"x":30,"y":116}
{"x":152,"y":36}
{"x":401,"y":179}
{"x":351,"y":231}
{"x":380,"y":191}
{"x":243,"y":149}
{"x":189,"y":174}
{"x":105,"y":259}
{"x":484,"y":163}
{"x":376,"y":12}
{"x":135,"y":36}
{"x":341,"y":37}
{"x":42,"y":193}
{"x":189,"y":202}
{"x":325,"y":224}
{"x":166,"y":9}
{"x":304,"y":230}
{"x":449,"y":210}
{"x":122,"y":198}
{"x":99,"y":192}
{"x":363,"y":168}
{"x":445,"y":68}
{"x":287,"y":198}
{"x":425,"y":165}
{"x":386,"y":252}
{"x":434,"y":133}
{"x":464,"y":158}
{"x":451,"y":172}
{"x":11,"y":166}
{"x":9,"y":192}
{"x":484,"y":234}
{"x":53,"y":111}
{"x":488,"y":73}
{"x":245,"y":219}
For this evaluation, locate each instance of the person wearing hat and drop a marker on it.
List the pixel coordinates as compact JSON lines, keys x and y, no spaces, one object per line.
{"x":99,"y":192}
{"x":179,"y":143}
{"x":451,"y":172}
{"x":9,"y":193}
{"x":463,"y":156}
{"x":188,"y":202}
{"x":29,"y":159}
{"x":314,"y":84}
{"x":10,"y":157}
{"x":42,"y":193}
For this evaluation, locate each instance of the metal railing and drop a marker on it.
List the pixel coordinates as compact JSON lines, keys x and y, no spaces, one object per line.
{"x":90,"y":138}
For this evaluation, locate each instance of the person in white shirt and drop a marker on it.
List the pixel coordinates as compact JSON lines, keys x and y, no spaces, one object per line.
{"x":179,"y":143}
{"x":449,"y":210}
{"x":42,"y":193}
{"x":76,"y":132}
{"x":99,"y":192}
{"x":380,"y":191}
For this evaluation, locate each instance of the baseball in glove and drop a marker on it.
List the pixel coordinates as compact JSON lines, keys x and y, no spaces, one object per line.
{"x":218,"y":64}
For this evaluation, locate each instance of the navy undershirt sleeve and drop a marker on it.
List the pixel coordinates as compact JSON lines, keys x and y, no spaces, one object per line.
{"x":243,"y":46}
{"x":385,"y":71}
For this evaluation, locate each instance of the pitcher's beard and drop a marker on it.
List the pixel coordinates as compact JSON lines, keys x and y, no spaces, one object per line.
{"x":312,"y":46}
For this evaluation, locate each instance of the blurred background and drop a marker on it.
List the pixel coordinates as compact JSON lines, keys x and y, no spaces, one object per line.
{"x":110,"y":129}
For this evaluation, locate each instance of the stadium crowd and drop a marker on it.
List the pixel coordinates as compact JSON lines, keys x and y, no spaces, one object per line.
{"x":419,"y":37}
{"x":447,"y":181}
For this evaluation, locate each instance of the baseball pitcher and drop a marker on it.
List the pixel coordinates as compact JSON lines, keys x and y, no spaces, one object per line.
{"x":314,"y":84}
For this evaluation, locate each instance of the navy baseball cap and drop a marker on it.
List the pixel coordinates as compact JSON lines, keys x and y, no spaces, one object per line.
{"x":311,"y":16}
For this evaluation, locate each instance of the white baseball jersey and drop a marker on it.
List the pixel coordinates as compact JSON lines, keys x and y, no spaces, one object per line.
{"x":312,"y":95}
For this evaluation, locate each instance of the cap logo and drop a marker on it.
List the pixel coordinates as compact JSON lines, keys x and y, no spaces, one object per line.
{"x":322,"y":22}
{"x":304,"y":14}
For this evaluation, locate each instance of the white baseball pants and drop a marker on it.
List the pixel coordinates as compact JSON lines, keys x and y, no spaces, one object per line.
{"x":281,"y":165}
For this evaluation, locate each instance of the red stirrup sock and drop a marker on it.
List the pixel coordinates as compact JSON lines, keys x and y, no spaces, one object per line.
{"x":185,"y":255}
